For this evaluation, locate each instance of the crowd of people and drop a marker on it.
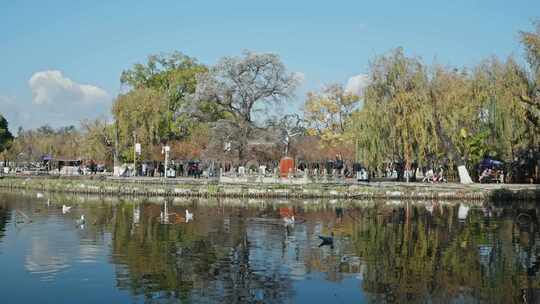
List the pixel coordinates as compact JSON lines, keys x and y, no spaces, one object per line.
{"x":488,"y":170}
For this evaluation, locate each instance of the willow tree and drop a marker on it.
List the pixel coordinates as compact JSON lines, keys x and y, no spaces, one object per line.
{"x":98,"y":139}
{"x":173,"y":76}
{"x":138,"y":115}
{"x":530,"y":96}
{"x":239,"y":86}
{"x":455,"y":113}
{"x":395,"y":121}
{"x":327,"y":114}
{"x":505,"y":116}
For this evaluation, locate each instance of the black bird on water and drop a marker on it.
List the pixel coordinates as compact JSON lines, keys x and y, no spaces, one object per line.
{"x":327,"y":240}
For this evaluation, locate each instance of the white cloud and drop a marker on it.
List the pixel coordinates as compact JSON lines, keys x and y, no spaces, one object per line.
{"x":56,"y":100}
{"x":356,"y":84}
{"x":52,"y":87}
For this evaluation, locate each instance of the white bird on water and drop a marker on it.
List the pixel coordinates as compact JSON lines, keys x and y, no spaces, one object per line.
{"x":289,"y":220}
{"x":189,"y":216}
{"x":82,"y":220}
{"x":39,"y":195}
{"x":66,"y":209}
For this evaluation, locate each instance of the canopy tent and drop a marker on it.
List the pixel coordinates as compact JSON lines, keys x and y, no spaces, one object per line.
{"x":488,"y":163}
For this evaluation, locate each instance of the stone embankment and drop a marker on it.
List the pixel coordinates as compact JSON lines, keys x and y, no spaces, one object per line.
{"x":277,"y":189}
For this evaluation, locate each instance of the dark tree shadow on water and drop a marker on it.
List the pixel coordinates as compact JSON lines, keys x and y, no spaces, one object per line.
{"x":5,"y":214}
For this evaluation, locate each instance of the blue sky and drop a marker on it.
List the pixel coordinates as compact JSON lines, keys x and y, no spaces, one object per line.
{"x":60,"y":61}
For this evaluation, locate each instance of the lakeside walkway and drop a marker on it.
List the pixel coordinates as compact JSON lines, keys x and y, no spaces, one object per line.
{"x":283,"y":188}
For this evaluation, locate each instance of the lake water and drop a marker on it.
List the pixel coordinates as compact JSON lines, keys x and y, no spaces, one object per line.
{"x":143,"y":251}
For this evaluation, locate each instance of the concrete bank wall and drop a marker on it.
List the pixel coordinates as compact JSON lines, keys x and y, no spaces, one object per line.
{"x":205,"y":188}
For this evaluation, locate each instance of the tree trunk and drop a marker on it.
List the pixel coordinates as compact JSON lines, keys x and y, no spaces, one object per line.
{"x":116,"y":147}
{"x":446,"y":141}
{"x":241,"y":155}
{"x":464,"y":176}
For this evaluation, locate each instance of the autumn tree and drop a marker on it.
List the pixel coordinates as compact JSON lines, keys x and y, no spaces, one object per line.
{"x":453,"y":114}
{"x":139,"y":116}
{"x":32,"y":145}
{"x":327,"y":113}
{"x":530,"y":95}
{"x":393,"y":124}
{"x":98,"y":139}
{"x":442,"y":115}
{"x":239,"y":86}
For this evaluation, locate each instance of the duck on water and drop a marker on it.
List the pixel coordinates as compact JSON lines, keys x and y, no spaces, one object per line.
{"x":327,"y":240}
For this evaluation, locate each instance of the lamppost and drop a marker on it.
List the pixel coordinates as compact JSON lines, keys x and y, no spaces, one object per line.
{"x":136,"y":151}
{"x":165,"y":150}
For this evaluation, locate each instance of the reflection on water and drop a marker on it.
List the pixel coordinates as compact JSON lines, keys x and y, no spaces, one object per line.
{"x":236,"y":252}
{"x":46,"y":259}
{"x":4,"y":219}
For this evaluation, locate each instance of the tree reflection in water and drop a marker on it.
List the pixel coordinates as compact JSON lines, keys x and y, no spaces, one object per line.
{"x":5,"y":215}
{"x":403,"y":252}
{"x":196,"y":260}
{"x":243,"y":252}
{"x":414,"y":255}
